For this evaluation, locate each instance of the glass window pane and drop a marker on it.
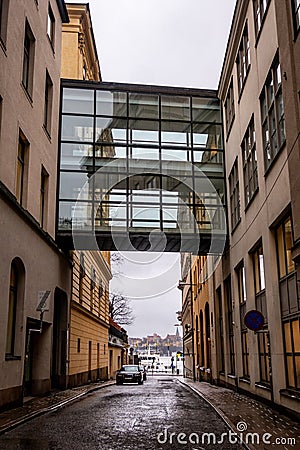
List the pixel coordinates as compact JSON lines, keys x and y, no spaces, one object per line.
{"x":110,"y":130}
{"x":290,"y":370}
{"x":208,"y":136}
{"x":289,"y":245}
{"x":108,"y":151}
{"x":143,"y":106}
{"x":76,"y":156}
{"x":297,"y":362}
{"x":287,"y":337}
{"x":206,"y":110}
{"x":296,"y":335}
{"x":111,"y":103}
{"x":77,"y":128}
{"x":77,"y":213}
{"x":75,"y":184}
{"x":142,"y":131}
{"x":281,"y":252}
{"x":78,"y":101}
{"x":175,"y":154}
{"x":176,"y":133}
{"x":175,"y":108}
{"x":143,"y":153}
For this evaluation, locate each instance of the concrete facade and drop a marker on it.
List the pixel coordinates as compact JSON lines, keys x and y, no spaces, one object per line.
{"x":28,"y":168}
{"x":262,"y":164}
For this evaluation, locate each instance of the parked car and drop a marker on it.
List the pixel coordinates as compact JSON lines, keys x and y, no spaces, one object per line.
{"x":129,"y":374}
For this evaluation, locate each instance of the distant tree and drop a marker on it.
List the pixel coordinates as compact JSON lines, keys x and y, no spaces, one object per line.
{"x":120,"y":310}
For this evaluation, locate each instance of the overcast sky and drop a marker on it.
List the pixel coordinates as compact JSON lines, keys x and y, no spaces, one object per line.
{"x":164,"y":42}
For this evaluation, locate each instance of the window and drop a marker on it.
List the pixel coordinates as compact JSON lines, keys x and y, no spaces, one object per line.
{"x":51,"y":25}
{"x":259,"y":271}
{"x":78,"y":345}
{"x":292,"y":352}
{"x":234,"y":195}
{"x":48,"y":103}
{"x":12,"y":310}
{"x":3,"y":20}
{"x":296,"y":15}
{"x":28,"y":60}
{"x":101,"y":290}
{"x":284,"y":237}
{"x":245,"y":354}
{"x":272,"y":114}
{"x":229,"y":107}
{"x":260,"y":8}
{"x":259,"y":280}
{"x":21,"y":169}
{"x":243,"y":59}
{"x":43,"y":197}
{"x":249,"y":163}
{"x":263,"y":351}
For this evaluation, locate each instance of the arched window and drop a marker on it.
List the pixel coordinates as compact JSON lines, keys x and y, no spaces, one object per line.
{"x":15,"y":310}
{"x":12,"y":310}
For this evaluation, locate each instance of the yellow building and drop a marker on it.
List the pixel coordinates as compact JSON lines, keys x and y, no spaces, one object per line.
{"x":89,"y":312}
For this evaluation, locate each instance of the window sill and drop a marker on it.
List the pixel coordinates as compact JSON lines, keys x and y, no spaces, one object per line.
{"x":262,"y":385}
{"x":252,"y":198}
{"x":290,"y":393}
{"x":244,"y":380}
{"x":12,"y":358}
{"x":244,"y":83}
{"x":235,"y":226}
{"x":3,"y":46}
{"x":230,"y":375}
{"x":47,"y":133}
{"x":51,"y":45}
{"x":274,"y":159}
{"x":229,"y":128}
{"x":27,"y":94}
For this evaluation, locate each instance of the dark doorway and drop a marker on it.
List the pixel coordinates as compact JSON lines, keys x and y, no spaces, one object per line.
{"x":59,"y":345}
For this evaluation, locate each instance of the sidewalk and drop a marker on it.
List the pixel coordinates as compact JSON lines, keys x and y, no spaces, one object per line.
{"x":250,"y":415}
{"x":36,"y":406}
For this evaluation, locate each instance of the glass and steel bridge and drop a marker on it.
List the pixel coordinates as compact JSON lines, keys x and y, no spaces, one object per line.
{"x":140,"y":167}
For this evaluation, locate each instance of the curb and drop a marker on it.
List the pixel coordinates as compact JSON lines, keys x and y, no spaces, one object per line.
{"x":42,"y":411}
{"x":218,"y":411}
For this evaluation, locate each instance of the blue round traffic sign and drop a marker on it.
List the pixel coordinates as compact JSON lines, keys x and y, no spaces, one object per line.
{"x":254,"y":320}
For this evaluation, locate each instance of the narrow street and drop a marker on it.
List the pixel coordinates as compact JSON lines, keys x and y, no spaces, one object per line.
{"x":126,"y":417}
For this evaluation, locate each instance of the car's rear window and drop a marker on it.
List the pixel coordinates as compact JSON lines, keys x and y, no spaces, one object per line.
{"x":130,"y":368}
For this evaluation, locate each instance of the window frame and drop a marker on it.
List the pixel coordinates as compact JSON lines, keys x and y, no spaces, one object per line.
{"x":28,"y":60}
{"x":243,"y":60}
{"x":229,"y":107}
{"x":272,"y":115}
{"x":21,"y":168}
{"x":4,"y":6}
{"x":291,"y":354}
{"x":11,"y":329}
{"x":250,"y":166}
{"x":262,"y":6}
{"x":48,"y":103}
{"x":51,"y":26}
{"x":296,"y":18}
{"x":234,"y":195}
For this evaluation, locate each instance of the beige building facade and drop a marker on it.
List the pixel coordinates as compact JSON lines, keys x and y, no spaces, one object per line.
{"x":259,"y":89}
{"x":89,"y":313}
{"x":33,"y":345}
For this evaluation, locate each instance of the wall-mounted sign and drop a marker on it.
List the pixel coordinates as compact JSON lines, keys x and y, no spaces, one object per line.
{"x":43,"y":304}
{"x":254,"y":320}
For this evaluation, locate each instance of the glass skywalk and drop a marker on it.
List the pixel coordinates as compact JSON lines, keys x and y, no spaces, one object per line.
{"x":141,"y":167}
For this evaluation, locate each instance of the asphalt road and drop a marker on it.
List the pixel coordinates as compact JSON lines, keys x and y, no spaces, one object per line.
{"x":127,"y":417}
